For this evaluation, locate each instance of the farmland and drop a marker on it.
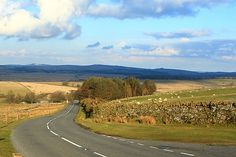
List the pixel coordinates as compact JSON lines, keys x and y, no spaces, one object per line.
{"x":5,"y":87}
{"x":11,"y":115}
{"x":22,"y":88}
{"x":40,"y":88}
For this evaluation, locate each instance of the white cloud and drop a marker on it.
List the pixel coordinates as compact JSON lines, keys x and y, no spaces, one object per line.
{"x":55,"y":17}
{"x":60,"y":16}
{"x":180,"y":34}
{"x":10,"y":53}
{"x":156,"y":52}
{"x":229,"y":58}
{"x":123,"y":9}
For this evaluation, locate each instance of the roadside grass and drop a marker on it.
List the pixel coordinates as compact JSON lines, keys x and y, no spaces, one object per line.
{"x":218,"y":135}
{"x":6,"y":148}
{"x":17,"y":114}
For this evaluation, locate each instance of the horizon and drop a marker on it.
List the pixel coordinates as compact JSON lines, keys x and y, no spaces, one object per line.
{"x":190,"y":35}
{"x":114,"y":65}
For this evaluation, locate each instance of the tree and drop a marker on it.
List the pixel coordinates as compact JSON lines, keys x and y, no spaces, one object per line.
{"x":104,"y":88}
{"x":30,"y":98}
{"x":57,"y":97}
{"x":148,"y":87}
{"x":10,"y":97}
{"x":134,"y":84}
{"x":65,"y":83}
{"x":19,"y":98}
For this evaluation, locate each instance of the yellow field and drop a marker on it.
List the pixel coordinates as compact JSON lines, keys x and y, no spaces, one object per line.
{"x":39,"y":88}
{"x":178,"y":86}
{"x":5,"y":87}
{"x":14,"y":112}
{"x":70,"y":84}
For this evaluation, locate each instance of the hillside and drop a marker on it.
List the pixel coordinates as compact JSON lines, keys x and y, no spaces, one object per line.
{"x":75,"y":73}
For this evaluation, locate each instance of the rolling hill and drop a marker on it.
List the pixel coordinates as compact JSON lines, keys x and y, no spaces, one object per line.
{"x":34,"y":72}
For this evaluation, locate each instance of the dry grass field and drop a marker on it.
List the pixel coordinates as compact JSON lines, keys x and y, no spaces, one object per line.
{"x":14,"y":112}
{"x":178,"y":86}
{"x":17,"y":88}
{"x":69,"y":84}
{"x":181,"y":85}
{"x":39,"y":88}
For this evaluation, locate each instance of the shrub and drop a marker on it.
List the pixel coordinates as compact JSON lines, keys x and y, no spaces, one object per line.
{"x":147,"y":120}
{"x":30,"y":98}
{"x":10,"y":97}
{"x":58,"y":97}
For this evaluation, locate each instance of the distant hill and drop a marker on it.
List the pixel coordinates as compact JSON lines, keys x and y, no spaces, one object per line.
{"x":34,"y":72}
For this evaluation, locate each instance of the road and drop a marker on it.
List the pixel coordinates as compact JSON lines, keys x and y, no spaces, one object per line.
{"x":59,"y":136}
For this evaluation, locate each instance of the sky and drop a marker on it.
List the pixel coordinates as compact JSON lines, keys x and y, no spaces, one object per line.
{"x":178,"y":34}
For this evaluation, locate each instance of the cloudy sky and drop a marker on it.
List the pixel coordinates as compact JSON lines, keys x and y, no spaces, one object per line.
{"x":185,"y":34}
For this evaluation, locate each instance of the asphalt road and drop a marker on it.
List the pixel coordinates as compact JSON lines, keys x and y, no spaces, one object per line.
{"x":59,"y":136}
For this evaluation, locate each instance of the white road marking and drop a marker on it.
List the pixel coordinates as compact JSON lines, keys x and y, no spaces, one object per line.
{"x":114,"y":138}
{"x":71,"y":142}
{"x":99,"y":154}
{"x":75,"y":144}
{"x":153,"y":147}
{"x":188,"y":154}
{"x":130,"y":141}
{"x":122,"y":139}
{"x":168,"y":150}
{"x":140,"y":144}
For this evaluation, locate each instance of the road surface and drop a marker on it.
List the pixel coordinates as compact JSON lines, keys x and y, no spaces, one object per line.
{"x":59,"y":136}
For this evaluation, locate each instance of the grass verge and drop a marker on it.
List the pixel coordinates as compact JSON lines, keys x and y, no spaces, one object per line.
{"x":217,"y":135}
{"x":6,"y":147}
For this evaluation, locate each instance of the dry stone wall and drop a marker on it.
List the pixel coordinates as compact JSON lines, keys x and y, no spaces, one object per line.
{"x":168,"y":113}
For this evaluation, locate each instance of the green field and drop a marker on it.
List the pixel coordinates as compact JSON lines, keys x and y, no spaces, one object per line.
{"x":210,"y":134}
{"x":210,"y":94}
{"x":214,"y":134}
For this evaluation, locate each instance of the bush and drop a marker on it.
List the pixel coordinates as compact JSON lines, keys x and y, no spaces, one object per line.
{"x":30,"y":98}
{"x":147,"y":120}
{"x":10,"y":97}
{"x":65,"y":83}
{"x":57,"y":97}
{"x":148,"y":87}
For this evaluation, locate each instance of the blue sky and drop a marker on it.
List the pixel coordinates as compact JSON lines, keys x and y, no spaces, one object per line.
{"x":184,"y":34}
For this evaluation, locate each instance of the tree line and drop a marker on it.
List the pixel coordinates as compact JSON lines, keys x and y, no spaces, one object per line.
{"x":115,"y":88}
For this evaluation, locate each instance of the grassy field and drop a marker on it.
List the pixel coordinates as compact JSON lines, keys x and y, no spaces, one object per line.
{"x":70,"y":84}
{"x":220,"y":135}
{"x":12,"y":115}
{"x":40,"y":88}
{"x":17,"y":88}
{"x":208,"y":90}
{"x":215,"y":94}
{"x":180,"y":85}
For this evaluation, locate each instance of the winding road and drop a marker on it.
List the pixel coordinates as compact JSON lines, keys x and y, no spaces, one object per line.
{"x":59,"y":136}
